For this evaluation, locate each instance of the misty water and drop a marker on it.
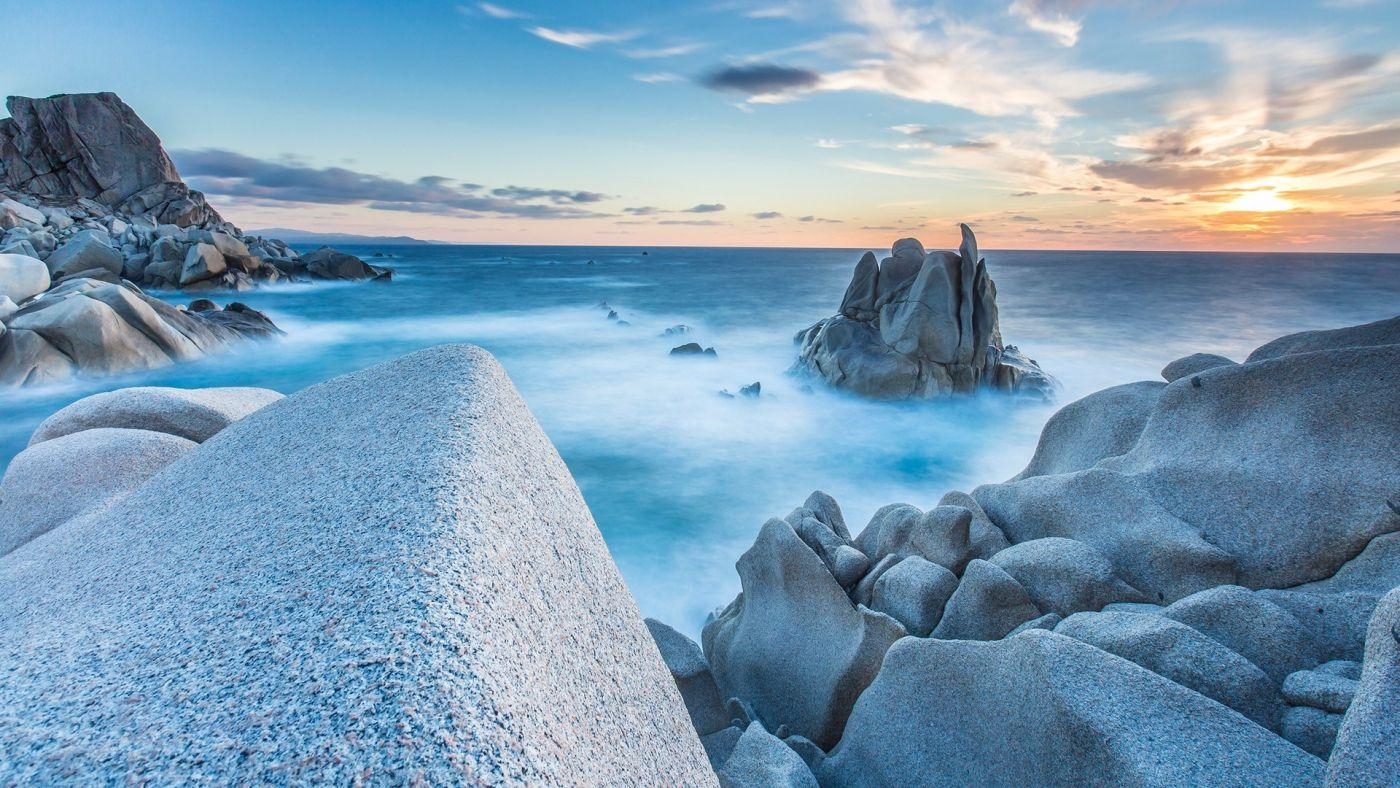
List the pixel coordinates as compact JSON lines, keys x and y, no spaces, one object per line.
{"x":680,"y":478}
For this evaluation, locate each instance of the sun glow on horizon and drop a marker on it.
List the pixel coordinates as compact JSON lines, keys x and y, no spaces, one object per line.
{"x":1259,"y":201}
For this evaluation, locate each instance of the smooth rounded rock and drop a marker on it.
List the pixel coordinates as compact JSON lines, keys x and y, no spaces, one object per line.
{"x":51,"y":483}
{"x":195,"y":414}
{"x":22,"y":276}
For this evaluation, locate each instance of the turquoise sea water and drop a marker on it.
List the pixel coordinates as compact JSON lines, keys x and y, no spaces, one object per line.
{"x":680,"y":478}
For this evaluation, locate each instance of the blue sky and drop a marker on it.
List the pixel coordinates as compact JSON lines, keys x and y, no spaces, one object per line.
{"x":1046,"y":123}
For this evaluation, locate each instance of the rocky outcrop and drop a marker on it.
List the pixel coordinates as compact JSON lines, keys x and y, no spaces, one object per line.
{"x":87,"y":327}
{"x":1176,"y":590}
{"x":918,"y":325}
{"x":388,"y":578}
{"x":86,"y":187}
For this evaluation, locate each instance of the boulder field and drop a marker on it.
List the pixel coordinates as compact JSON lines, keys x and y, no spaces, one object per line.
{"x":918,"y":325}
{"x":92,"y":327}
{"x":1196,"y":581}
{"x":388,"y":578}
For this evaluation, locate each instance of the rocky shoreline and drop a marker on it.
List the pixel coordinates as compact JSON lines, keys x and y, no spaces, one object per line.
{"x":1194,"y":581}
{"x":92,"y":211}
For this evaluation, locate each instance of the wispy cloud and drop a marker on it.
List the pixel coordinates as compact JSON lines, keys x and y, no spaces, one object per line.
{"x":500,"y":12}
{"x":768,"y":215}
{"x":1042,"y":17}
{"x":705,"y":207}
{"x":580,"y":39}
{"x":676,"y":50}
{"x":658,"y":78}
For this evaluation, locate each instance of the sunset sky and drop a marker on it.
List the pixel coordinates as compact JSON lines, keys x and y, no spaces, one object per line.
{"x":1046,"y":124}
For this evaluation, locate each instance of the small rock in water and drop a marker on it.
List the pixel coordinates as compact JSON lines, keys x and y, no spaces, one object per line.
{"x":612,"y":314}
{"x":693,"y":349}
{"x":623,"y":323}
{"x":751,"y":390}
{"x":680,"y":329}
{"x":202,"y":305}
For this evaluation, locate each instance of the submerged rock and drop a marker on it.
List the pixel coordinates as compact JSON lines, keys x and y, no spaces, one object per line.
{"x":918,"y":325}
{"x":322,"y":594}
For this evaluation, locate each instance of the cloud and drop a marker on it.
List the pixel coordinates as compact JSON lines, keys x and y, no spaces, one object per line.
{"x":658,"y":78}
{"x":705,"y":207}
{"x":1020,"y":217}
{"x":1023,"y":194}
{"x":579,"y":39}
{"x":830,"y":144}
{"x":553,"y":195}
{"x":1381,"y":138}
{"x":1038,"y":15}
{"x":645,"y":210}
{"x":931,"y":56}
{"x":663,"y":52}
{"x":694,"y":222}
{"x":818,"y":219}
{"x":500,"y":12}
{"x":761,"y":79}
{"x":230,"y":174}
{"x":767,"y":215}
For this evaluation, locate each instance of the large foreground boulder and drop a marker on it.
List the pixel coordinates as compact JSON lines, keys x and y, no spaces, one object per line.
{"x":918,"y":325}
{"x":400,"y":584}
{"x":1044,"y":709}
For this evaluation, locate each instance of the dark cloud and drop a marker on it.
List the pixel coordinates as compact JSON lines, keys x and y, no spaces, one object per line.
{"x":644,"y":210}
{"x":230,"y":174}
{"x":1020,"y":217}
{"x":767,"y":215}
{"x":1356,"y":142}
{"x":1168,"y":174}
{"x":705,"y":207}
{"x":1148,"y":199}
{"x":1023,"y":194}
{"x":810,"y":218}
{"x":760,"y":79}
{"x":553,"y":195}
{"x":696,"y":222}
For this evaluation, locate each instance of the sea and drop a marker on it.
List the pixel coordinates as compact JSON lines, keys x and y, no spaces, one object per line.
{"x":680,"y":477}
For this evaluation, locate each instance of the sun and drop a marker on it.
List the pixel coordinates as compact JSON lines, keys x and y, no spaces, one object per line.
{"x":1259,"y":201}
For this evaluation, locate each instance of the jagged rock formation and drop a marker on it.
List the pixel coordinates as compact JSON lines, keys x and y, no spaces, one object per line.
{"x":919,"y":325}
{"x":86,"y":327}
{"x":1184,"y":587}
{"x":88,"y":189}
{"x":322,"y":594}
{"x":94,"y":146}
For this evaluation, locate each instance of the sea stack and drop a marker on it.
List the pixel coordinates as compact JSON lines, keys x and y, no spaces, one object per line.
{"x":919,"y":325}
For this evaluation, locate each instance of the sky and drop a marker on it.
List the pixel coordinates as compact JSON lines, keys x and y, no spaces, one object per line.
{"x":1065,"y":124}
